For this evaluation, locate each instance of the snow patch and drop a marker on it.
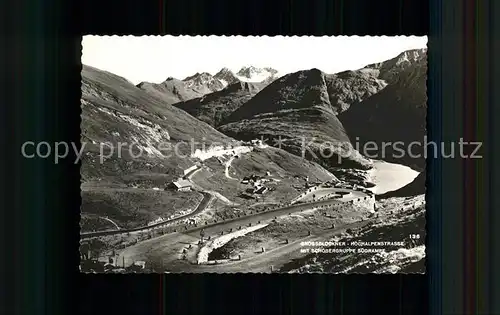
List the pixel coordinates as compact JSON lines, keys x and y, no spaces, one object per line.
{"x":224,"y":82}
{"x":107,"y":111}
{"x":254,"y":78}
{"x":220,"y":151}
{"x":253,"y":74}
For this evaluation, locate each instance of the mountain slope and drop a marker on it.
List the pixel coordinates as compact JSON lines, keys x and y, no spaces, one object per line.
{"x":124,"y":130}
{"x":216,"y":107}
{"x":173,"y":90}
{"x":226,"y":76}
{"x":351,"y":87}
{"x":203,"y":83}
{"x":112,"y":96}
{"x":134,"y":145}
{"x":395,"y":114}
{"x":170,"y":91}
{"x":297,"y":108}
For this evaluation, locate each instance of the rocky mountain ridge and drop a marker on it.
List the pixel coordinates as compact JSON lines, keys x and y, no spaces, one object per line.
{"x":332,"y":108}
{"x":257,"y":75}
{"x":396,"y":115}
{"x":173,"y":90}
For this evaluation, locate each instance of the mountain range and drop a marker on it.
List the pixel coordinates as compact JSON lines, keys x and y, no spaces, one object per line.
{"x":381,"y":102}
{"x":173,"y":90}
{"x":123,"y":184}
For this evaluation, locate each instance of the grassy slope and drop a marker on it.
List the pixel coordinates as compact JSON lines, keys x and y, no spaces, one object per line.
{"x":282,"y":166}
{"x":136,"y":207}
{"x":107,"y":90}
{"x":114,"y":110}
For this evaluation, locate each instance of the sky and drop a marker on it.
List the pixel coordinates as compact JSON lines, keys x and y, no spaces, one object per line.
{"x":155,"y":58}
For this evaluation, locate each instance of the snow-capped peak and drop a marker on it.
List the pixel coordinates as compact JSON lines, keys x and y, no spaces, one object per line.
{"x":405,"y":58}
{"x":410,"y":56}
{"x":254,"y":74}
{"x":223,"y":71}
{"x":226,"y":76}
{"x":199,"y":77}
{"x":203,"y":80}
{"x":388,"y":70}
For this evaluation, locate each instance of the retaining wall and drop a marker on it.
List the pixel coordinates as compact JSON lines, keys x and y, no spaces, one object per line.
{"x":302,"y":195}
{"x":190,"y":169}
{"x":164,"y":227}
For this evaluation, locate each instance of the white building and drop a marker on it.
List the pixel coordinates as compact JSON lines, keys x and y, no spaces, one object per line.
{"x":182,"y":185}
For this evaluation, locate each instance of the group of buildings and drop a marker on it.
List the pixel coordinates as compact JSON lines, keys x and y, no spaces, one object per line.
{"x":257,"y":183}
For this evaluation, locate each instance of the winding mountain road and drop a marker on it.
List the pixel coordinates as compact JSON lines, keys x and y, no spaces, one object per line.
{"x":201,"y":206}
{"x":168,"y":248}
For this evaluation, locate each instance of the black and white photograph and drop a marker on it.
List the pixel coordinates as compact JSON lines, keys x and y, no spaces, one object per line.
{"x":215,"y":154}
